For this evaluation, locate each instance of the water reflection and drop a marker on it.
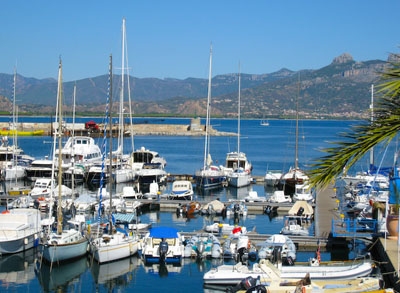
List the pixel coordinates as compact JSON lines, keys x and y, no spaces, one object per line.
{"x":60,"y":276}
{"x":117,"y":273}
{"x":17,"y":268}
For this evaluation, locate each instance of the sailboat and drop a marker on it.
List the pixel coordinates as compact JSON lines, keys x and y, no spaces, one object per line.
{"x":209,"y":176}
{"x":264,"y":122}
{"x":66,"y":243}
{"x":240,"y":175}
{"x":112,"y":243}
{"x":295,"y":175}
{"x":11,"y":154}
{"x":122,"y":171}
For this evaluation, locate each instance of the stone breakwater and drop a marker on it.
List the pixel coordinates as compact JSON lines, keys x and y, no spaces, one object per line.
{"x":137,"y":129}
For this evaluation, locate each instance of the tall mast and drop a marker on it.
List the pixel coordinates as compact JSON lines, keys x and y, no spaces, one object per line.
{"x":59,"y":134}
{"x":121,"y":100}
{"x":110,"y":178}
{"x":296,"y":155}
{"x":207,"y":140}
{"x":238,"y":140}
{"x":371,"y":106}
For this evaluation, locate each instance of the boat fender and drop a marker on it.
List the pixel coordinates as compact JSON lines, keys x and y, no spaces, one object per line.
{"x":35,"y":236}
{"x":88,"y":248}
{"x":26,"y":241}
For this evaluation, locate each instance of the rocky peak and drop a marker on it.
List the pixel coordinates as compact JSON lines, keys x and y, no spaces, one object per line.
{"x":344,"y":58}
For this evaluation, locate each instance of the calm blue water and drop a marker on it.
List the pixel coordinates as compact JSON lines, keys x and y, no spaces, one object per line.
{"x":269,"y":147}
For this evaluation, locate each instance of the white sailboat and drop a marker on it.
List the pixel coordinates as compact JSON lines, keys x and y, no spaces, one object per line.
{"x":210,"y":176}
{"x":295,"y":175}
{"x":240,"y":175}
{"x":10,"y":155}
{"x":123,"y":172}
{"x":113,"y":243}
{"x":66,"y":243}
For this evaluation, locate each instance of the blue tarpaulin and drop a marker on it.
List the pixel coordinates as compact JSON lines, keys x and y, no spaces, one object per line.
{"x":163,"y":232}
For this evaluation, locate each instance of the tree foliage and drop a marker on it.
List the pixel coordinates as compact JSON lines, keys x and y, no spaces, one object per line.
{"x":382,"y":128}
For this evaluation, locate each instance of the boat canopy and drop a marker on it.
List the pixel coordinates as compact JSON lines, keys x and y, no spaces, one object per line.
{"x":164,"y":232}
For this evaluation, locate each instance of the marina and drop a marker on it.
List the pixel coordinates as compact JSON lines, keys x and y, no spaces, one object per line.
{"x":133,"y":274}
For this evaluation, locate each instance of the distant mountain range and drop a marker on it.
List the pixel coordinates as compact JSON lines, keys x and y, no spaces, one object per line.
{"x":338,"y":90}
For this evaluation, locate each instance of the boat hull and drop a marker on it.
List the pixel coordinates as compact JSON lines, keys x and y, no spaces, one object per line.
{"x":63,"y":252}
{"x":114,"y":249}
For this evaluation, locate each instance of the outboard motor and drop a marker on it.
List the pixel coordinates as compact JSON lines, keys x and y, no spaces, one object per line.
{"x":268,"y":209}
{"x":247,"y":284}
{"x":289,"y":261}
{"x":200,"y":249}
{"x":277,"y":254}
{"x":300,"y":211}
{"x":163,"y":250}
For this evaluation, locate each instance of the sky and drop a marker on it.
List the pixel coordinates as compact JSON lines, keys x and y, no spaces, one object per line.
{"x":172,"y":39}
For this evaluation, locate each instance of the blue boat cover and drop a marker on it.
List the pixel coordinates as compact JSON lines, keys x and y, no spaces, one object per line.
{"x":163,"y":232}
{"x":124,"y":218}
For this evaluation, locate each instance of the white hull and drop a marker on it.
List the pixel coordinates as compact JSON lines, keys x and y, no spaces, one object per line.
{"x":119,"y":246}
{"x":19,"y":230}
{"x":239,"y":179}
{"x":234,"y":274}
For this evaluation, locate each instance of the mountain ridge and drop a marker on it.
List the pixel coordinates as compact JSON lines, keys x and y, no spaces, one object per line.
{"x":339,"y":90}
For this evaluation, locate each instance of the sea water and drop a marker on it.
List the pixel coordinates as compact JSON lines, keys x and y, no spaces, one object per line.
{"x":268,"y":148}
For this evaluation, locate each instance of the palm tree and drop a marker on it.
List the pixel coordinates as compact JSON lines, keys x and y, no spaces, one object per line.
{"x":356,"y":143}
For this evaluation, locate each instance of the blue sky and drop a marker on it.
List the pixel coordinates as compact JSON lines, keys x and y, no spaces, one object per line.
{"x":172,"y":38}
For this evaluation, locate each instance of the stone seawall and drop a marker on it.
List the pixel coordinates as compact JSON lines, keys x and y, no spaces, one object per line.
{"x":138,"y":129}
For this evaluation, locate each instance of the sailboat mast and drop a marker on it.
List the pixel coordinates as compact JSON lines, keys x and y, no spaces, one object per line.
{"x":371,"y":106}
{"x":121,"y":100}
{"x":207,"y":140}
{"x":110,"y":178}
{"x":59,"y":134}
{"x":14,"y":126}
{"x":296,"y":155}
{"x":73,"y":145}
{"x":238,"y":140}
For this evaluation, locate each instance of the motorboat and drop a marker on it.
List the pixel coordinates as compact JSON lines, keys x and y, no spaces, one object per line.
{"x":303,"y":192}
{"x":78,"y":154}
{"x":293,"y":227}
{"x":279,"y":197}
{"x":253,"y":197}
{"x":181,"y":190}
{"x":214,"y":207}
{"x":236,"y":246}
{"x":236,"y":209}
{"x":153,"y":192}
{"x":19,"y":230}
{"x":40,"y":168}
{"x":143,"y":156}
{"x":151,"y":172}
{"x":272,"y":178}
{"x":276,"y":280}
{"x":302,"y":209}
{"x":239,"y":178}
{"x":189,"y":210}
{"x":162,"y":245}
{"x":278,"y":248}
{"x":203,"y":245}
{"x":225,"y":229}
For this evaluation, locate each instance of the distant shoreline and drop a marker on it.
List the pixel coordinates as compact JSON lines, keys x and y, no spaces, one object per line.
{"x":138,"y":129}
